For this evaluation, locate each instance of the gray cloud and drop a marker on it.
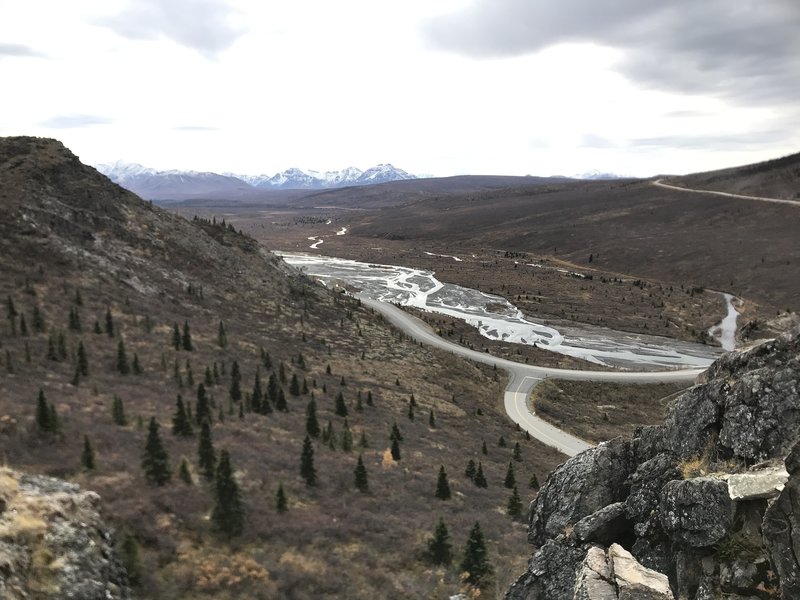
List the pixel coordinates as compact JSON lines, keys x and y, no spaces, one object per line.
{"x":194,"y":128}
{"x":591,"y":140}
{"x":207,"y":26}
{"x":17,"y":50}
{"x":712,"y":142}
{"x":748,"y":51}
{"x":74,"y":121}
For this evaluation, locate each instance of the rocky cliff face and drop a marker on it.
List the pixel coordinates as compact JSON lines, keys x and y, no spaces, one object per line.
{"x":706,"y":499}
{"x":53,"y":543}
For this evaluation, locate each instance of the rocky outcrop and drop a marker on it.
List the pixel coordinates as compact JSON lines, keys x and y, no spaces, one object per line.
{"x":53,"y":543}
{"x":704,"y":499}
{"x":616,"y":575}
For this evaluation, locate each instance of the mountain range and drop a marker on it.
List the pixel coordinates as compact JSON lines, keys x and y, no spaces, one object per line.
{"x":153,"y":184}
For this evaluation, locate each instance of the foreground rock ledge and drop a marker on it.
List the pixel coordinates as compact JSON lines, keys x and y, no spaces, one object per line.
{"x":53,"y":543}
{"x":705,"y":502}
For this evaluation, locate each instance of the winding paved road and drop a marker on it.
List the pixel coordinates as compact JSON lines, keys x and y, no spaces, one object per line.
{"x":523,"y":378}
{"x":658,"y":183}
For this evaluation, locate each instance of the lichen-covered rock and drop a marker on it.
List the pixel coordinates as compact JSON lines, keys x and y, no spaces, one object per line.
{"x":697,"y":512}
{"x":551,"y":572}
{"x":595,"y":580}
{"x":781,"y":527}
{"x":634,"y":581}
{"x":53,"y":543}
{"x":604,"y":526}
{"x":646,"y":483}
{"x":767,"y":482}
{"x":590,"y":481}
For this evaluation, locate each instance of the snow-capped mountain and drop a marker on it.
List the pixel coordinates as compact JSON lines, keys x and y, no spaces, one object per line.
{"x":162,"y":185}
{"x":594,"y":174}
{"x":159,"y":185}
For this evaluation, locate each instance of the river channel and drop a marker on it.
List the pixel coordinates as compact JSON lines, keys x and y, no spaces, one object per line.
{"x":497,"y":319}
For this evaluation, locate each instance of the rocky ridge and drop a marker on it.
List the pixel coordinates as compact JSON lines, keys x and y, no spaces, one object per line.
{"x":53,"y":542}
{"x":706,"y":499}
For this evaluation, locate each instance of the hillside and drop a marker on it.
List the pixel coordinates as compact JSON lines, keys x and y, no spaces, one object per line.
{"x":89,"y":272}
{"x":778,"y":178}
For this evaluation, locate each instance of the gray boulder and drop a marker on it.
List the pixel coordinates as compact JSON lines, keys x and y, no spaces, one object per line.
{"x":580,"y":487}
{"x":697,"y":512}
{"x":781,"y":529}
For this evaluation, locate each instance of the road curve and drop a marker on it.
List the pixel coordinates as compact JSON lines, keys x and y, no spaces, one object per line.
{"x":658,"y":183}
{"x":523,"y":378}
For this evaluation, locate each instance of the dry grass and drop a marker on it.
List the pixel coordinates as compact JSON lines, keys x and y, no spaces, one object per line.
{"x":601,"y":411}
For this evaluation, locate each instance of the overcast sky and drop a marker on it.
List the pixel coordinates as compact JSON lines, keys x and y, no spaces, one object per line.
{"x":438,"y":87}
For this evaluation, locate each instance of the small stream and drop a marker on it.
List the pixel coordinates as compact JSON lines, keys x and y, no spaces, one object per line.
{"x":725,"y":330}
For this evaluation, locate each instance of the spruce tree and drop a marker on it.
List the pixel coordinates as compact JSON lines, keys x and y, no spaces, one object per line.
{"x":109,"y":323}
{"x":74,"y":319}
{"x":83,"y":360}
{"x":480,"y":478}
{"x":281,"y":402}
{"x":76,"y":378}
{"x":51,"y":349}
{"x":155,"y":460}
{"x":431,"y":420}
{"x":189,"y":375}
{"x":533,"y":483}
{"x":312,"y":424}
{"x":502,"y":442}
{"x":137,"y":367}
{"x":228,"y":512}
{"x":97,"y":328}
{"x":38,"y":320}
{"x":23,"y":325}
{"x":203,"y":410}
{"x":442,"y":485}
{"x":440,"y":551}
{"x":272,"y":388}
{"x":118,"y":411}
{"x":257,"y":397}
{"x":61,"y":346}
{"x":347,"y":437}
{"x":475,"y":563}
{"x":517,"y":454}
{"x":341,"y":407}
{"x":44,"y":414}
{"x":282,"y":373}
{"x":515,"y":505}
{"x":294,"y":385}
{"x":395,"y":434}
{"x":510,"y":480}
{"x":359,"y":403}
{"x":307,"y":470}
{"x":176,"y":336}
{"x":222,"y":338}
{"x":206,"y":456}
{"x":122,"y":359}
{"x":395,"y":450}
{"x":470,"y":471}
{"x":281,"y":503}
{"x":484,"y":451}
{"x":327,"y":432}
{"x":410,"y":412}
{"x":209,"y":378}
{"x":184,"y":472}
{"x":181,"y":425}
{"x":11,"y":314}
{"x":360,"y":473}
{"x":369,"y":398}
{"x":87,"y":456}
{"x":186,"y":338}
{"x":129,"y":556}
